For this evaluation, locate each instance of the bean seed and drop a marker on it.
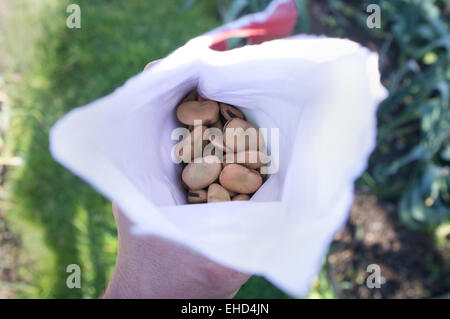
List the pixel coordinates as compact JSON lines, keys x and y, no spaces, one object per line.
{"x":223,"y":133}
{"x":218,"y":143}
{"x":231,"y":193}
{"x":251,"y":159}
{"x":240,"y":179}
{"x":241,"y":197}
{"x":192,"y":145}
{"x":240,"y":135}
{"x":228,"y":112}
{"x":206,"y":111}
{"x":191,"y":96}
{"x":264,"y":176}
{"x":216,"y":193}
{"x":197,"y":196}
{"x":218,"y":125}
{"x":200,"y":175}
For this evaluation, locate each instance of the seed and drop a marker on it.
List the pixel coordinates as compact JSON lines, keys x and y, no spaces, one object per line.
{"x":218,"y":131}
{"x":192,"y":145}
{"x":226,"y":124}
{"x":229,"y":112}
{"x":200,"y":175}
{"x":251,"y":159}
{"x":196,"y":196}
{"x":218,"y":143}
{"x":231,"y":193}
{"x":241,"y":197}
{"x":191,"y":96}
{"x":216,"y":193}
{"x":240,"y":179}
{"x":263,"y":175}
{"x":218,"y":125}
{"x":215,"y":136}
{"x":240,"y":135}
{"x":211,"y":149}
{"x":206,"y":111}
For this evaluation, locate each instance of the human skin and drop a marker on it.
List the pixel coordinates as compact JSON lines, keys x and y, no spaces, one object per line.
{"x":152,"y":267}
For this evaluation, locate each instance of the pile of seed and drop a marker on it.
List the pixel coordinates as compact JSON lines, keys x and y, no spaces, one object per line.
{"x":232,"y":174}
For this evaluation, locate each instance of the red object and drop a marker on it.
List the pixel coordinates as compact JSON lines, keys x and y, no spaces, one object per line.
{"x":278,"y":25}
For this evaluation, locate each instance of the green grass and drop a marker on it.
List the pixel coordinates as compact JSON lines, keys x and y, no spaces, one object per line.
{"x":51,"y":69}
{"x":258,"y":287}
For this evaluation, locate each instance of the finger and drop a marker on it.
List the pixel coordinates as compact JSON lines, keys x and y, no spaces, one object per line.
{"x":150,"y":64}
{"x":122,"y":220}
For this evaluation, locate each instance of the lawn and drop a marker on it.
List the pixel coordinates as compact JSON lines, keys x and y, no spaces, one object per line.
{"x":48,"y":70}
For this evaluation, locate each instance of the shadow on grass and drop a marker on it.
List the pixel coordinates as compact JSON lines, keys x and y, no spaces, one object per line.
{"x":258,"y":287}
{"x":72,"y":67}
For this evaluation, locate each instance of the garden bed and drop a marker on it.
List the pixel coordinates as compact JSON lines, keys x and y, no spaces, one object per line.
{"x":412,"y":263}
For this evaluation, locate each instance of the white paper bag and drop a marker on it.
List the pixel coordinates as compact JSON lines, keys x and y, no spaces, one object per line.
{"x":321,"y":93}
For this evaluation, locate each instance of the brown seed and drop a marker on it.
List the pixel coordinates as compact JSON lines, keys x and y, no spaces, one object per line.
{"x":251,"y":159}
{"x":215,"y":136}
{"x":225,"y":125}
{"x":200,"y":175}
{"x":192,"y":145}
{"x":216,"y":141}
{"x":231,"y":193}
{"x":240,"y":135}
{"x":211,"y":149}
{"x":225,"y":163}
{"x":191,"y":96}
{"x":240,"y":179}
{"x":207,"y":112}
{"x":218,"y":125}
{"x":216,"y":193}
{"x":196,"y":196}
{"x":229,"y":112}
{"x":263,"y":175}
{"x":241,"y":197}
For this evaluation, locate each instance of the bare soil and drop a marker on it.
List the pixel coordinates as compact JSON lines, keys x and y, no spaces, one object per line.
{"x":411,"y":263}
{"x":9,"y":260}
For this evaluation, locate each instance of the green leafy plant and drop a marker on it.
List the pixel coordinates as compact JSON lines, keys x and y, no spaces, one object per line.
{"x":411,"y":164}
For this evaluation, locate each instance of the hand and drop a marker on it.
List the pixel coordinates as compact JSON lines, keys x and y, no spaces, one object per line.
{"x":152,"y":267}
